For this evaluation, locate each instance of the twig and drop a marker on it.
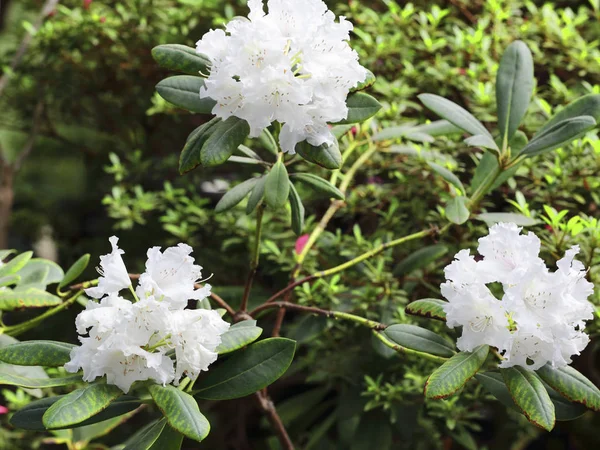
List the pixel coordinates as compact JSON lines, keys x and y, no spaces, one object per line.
{"x":266,"y":404}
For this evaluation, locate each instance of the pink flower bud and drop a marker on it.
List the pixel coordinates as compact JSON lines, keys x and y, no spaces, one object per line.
{"x":86,"y":4}
{"x":3,"y":410}
{"x":301,"y":243}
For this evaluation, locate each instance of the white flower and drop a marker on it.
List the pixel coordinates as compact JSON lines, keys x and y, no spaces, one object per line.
{"x":541,"y":316}
{"x":195,"y":335}
{"x":292,"y":65}
{"x":171,"y":276}
{"x":114,"y":273}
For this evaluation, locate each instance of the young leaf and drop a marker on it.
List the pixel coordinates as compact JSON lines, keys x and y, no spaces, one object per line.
{"x":297,"y":210}
{"x":419,"y":259}
{"x":448,"y":176}
{"x":514,"y":87}
{"x":181,"y":411}
{"x":39,"y":273}
{"x":454,"y":114}
{"x":80,"y":405}
{"x":239,"y":335}
{"x":327,"y":156}
{"x":180,"y":58}
{"x":248,"y":370}
{"x":235,"y":195}
{"x":224,"y":139}
{"x":277,"y":186}
{"x":456,"y":210}
{"x":559,"y":135}
{"x":37,"y":353}
{"x":75,"y":270}
{"x":37,"y":383}
{"x":530,"y":396}
{"x":257,"y":194}
{"x":572,"y":385}
{"x":588,"y":105}
{"x":184,"y":91}
{"x":15,"y":264}
{"x":319,"y":184}
{"x":361,"y":106}
{"x":428,"y":307}
{"x":28,"y":298}
{"x":454,"y":373}
{"x":190,"y":155}
{"x":147,"y":436}
{"x":420,"y":339}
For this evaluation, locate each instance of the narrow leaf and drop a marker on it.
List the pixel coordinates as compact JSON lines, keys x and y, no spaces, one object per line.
{"x":454,"y":373}
{"x":319,"y":184}
{"x":147,"y":436}
{"x":482,"y":141}
{"x":456,"y":210}
{"x":297,"y":211}
{"x":361,"y":106}
{"x":588,"y":105}
{"x":419,"y":259}
{"x":420,"y":339}
{"x":327,"y":156}
{"x":431,"y":308}
{"x":235,"y":195}
{"x":37,"y":353}
{"x":257,"y":194}
{"x":184,"y":91}
{"x":75,"y":270}
{"x":571,"y":384}
{"x":239,"y":335}
{"x":454,"y":114}
{"x":518,"y":219}
{"x":559,"y":135}
{"x":169,"y":439}
{"x":448,"y":176}
{"x":15,"y":264}
{"x":190,"y":155}
{"x":224,"y":139}
{"x":277,"y":186}
{"x":37,"y":383}
{"x":181,"y":58}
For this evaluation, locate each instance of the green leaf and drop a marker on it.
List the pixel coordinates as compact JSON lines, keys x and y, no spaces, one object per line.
{"x":181,"y":58}
{"x":235,"y":195}
{"x":80,"y":405}
{"x":10,"y":280}
{"x":432,"y":308}
{"x":518,"y":219}
{"x":297,"y":211}
{"x":495,"y":385}
{"x":147,"y":436}
{"x":448,"y":176}
{"x":454,"y":114}
{"x":518,"y":142}
{"x":572,"y":385}
{"x":37,"y":353}
{"x":225,"y":137}
{"x":361,"y":106}
{"x":487,"y":165}
{"x":28,"y":298}
{"x":239,"y":335}
{"x":368,"y":81}
{"x":456,"y":210}
{"x":558,"y":135}
{"x":482,"y":141}
{"x":248,"y":370}
{"x":564,"y":409}
{"x":588,"y":105}
{"x":190,"y":155}
{"x":420,"y":339}
{"x":319,"y":184}
{"x":39,"y":273}
{"x":5,"y":253}
{"x":454,"y":373}
{"x":37,"y":383}
{"x":181,"y":411}
{"x":183,"y":91}
{"x":373,"y":432}
{"x":169,"y":439}
{"x":340,"y":130}
{"x":30,"y":416}
{"x":277,"y":186}
{"x":15,"y":264}
{"x":514,"y":87}
{"x":530,"y":396}
{"x":419,"y":259}
{"x":327,"y":156}
{"x":75,"y":270}
{"x":82,"y":435}
{"x":438,"y":128}
{"x":257,"y":194}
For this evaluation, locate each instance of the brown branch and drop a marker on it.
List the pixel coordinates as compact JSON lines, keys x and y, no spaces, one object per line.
{"x":468,"y":14}
{"x":293,"y":306}
{"x":267,"y":406}
{"x":289,"y":287}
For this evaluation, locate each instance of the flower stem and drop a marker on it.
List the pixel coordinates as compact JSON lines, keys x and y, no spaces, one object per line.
{"x":408,"y":351}
{"x":135,"y":297}
{"x":484,"y":187}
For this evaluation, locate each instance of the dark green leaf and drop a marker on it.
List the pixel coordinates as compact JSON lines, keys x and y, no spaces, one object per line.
{"x":80,"y":405}
{"x":37,"y":383}
{"x":297,"y":211}
{"x":224,"y":139}
{"x":564,"y":409}
{"x":454,"y":373}
{"x":169,"y":439}
{"x":181,"y":58}
{"x":184,"y":91}
{"x":37,"y":353}
{"x":373,"y":432}
{"x":239,"y":335}
{"x":257,"y":194}
{"x":514,"y":87}
{"x":28,"y":298}
{"x":15,"y":264}
{"x":325,"y":156}
{"x":30,"y":416}
{"x":428,"y":307}
{"x":319,"y":184}
{"x":75,"y":270}
{"x":340,"y":130}
{"x":190,"y":155}
{"x":559,"y":135}
{"x":277,"y":186}
{"x":488,"y":165}
{"x":572,"y":385}
{"x":448,"y":176}
{"x":235,"y":195}
{"x":181,"y":411}
{"x":368,"y":81}
{"x":456,"y":210}
{"x":420,"y":339}
{"x":495,"y":385}
{"x":419,"y":259}
{"x":530,"y":396}
{"x":588,"y":105}
{"x":361,"y":106}
{"x":248,"y":370}
{"x":454,"y":114}
{"x":147,"y":436}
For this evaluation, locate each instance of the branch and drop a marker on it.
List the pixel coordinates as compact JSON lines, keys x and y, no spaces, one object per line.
{"x":266,"y":404}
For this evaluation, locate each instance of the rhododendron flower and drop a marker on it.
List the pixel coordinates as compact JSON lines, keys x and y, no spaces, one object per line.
{"x":541,"y":316}
{"x":291,"y":64}
{"x":114,"y":273}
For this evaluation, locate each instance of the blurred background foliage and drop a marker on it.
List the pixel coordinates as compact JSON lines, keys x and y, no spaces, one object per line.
{"x":89,"y":150}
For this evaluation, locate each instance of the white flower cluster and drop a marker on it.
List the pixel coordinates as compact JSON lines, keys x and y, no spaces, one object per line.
{"x":292,"y":65}
{"x":541,"y":315}
{"x":128,"y":341}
